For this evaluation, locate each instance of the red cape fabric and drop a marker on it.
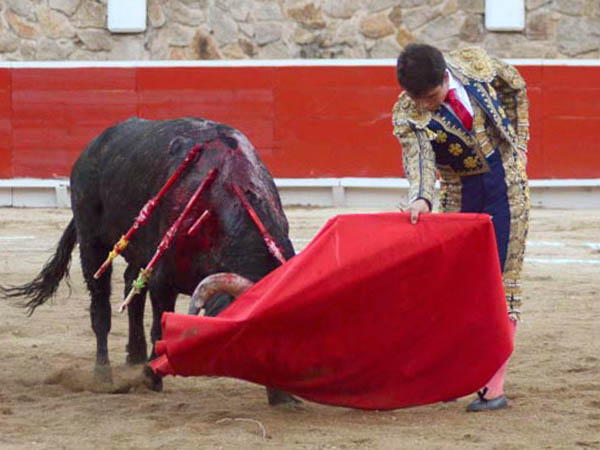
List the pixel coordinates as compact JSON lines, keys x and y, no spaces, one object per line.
{"x":375,"y":313}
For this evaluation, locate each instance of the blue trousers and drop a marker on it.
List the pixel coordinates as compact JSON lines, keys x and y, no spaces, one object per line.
{"x":486,"y":193}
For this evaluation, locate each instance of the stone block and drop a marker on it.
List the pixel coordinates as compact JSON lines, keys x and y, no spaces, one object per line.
{"x":96,"y":40}
{"x":385,"y":48}
{"x":416,"y":18}
{"x":404,"y":37}
{"x":184,"y":15}
{"x":21,"y":27}
{"x":156,"y":14}
{"x":8,"y":42}
{"x":129,"y":47}
{"x":395,"y":16}
{"x":54,"y":49}
{"x":570,"y":7}
{"x":204,"y":47}
{"x":374,"y":6}
{"x":275,"y":50}
{"x":537,"y":26}
{"x":266,"y":33}
{"x":307,"y":15}
{"x":301,"y":36}
{"x":224,"y":27}
{"x":376,"y":27}
{"x":449,"y":8}
{"x":23,"y":8}
{"x":247,"y":46}
{"x":341,"y":9}
{"x":443,"y":28}
{"x":409,"y":3}
{"x":472,"y":29}
{"x":54,"y":24}
{"x":472,"y":6}
{"x":267,"y":12}
{"x":90,"y":14}
{"x":530,"y":5}
{"x":233,"y":51}
{"x":180,"y":35}
{"x":238,"y":9}
{"x":66,"y":6}
{"x":578,"y":36}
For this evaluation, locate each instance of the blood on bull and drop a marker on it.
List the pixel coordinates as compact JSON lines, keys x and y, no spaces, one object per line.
{"x":138,"y":170}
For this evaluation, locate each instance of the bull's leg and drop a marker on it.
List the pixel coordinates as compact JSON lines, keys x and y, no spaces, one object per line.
{"x":137,"y":352}
{"x":92,"y":257}
{"x":280,"y":398}
{"x":163,"y":299}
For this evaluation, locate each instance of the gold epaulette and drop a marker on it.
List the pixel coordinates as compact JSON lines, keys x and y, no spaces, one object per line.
{"x":473,"y":63}
{"x":406,"y":110}
{"x":509,"y":74}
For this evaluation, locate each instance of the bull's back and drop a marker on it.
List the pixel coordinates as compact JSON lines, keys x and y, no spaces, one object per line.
{"x":127,"y":164}
{"x":118,"y":172}
{"x":131,"y":146}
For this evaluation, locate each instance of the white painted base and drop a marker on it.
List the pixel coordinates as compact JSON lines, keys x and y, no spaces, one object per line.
{"x":377,"y":192}
{"x":35,"y":193}
{"x":568,"y":197}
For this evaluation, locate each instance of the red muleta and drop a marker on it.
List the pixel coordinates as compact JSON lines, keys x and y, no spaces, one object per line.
{"x":375,"y":313}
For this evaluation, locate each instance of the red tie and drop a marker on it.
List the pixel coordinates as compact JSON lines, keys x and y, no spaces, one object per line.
{"x":463,"y":114}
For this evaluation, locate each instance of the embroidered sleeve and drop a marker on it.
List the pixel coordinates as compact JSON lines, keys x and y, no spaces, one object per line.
{"x":513,"y":93}
{"x":418,"y":157}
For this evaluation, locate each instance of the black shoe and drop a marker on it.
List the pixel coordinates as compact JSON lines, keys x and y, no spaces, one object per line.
{"x":483,"y":404}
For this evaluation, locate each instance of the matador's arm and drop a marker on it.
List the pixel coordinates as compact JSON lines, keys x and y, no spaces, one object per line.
{"x":512,"y":91}
{"x":418,"y":157}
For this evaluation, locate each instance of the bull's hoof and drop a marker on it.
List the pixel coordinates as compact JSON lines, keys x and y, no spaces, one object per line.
{"x":136,"y":354}
{"x":152,"y":380}
{"x":134,"y":359}
{"x":102,"y":374}
{"x":281,"y":399}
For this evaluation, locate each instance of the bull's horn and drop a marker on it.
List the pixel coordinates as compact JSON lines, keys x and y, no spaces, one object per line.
{"x":218,"y":283}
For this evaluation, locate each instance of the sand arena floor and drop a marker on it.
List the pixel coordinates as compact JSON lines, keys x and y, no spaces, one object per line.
{"x":48,"y":399}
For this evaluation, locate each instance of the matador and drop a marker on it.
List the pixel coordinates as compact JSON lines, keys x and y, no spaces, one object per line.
{"x":465,"y":117}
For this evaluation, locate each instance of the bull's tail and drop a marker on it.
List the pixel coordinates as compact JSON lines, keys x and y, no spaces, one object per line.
{"x":45,"y":284}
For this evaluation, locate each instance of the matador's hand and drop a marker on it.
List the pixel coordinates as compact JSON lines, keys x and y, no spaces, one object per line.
{"x":419,"y":206}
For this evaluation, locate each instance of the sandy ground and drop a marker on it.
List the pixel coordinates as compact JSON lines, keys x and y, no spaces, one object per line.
{"x":48,"y":399}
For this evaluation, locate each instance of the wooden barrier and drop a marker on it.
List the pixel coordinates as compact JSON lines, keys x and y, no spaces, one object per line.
{"x":321,"y":119}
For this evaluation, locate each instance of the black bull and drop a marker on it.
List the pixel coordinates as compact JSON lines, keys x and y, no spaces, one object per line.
{"x":116,"y":175}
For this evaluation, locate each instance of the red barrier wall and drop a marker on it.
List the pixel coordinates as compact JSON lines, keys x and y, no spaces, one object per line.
{"x":305,"y":121}
{"x":5,"y":124}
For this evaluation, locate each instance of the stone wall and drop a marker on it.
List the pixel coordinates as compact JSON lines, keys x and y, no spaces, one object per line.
{"x":39,"y":30}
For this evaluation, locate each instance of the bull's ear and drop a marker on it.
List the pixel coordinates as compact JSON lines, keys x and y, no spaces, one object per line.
{"x":179,"y":143}
{"x":230,"y":141}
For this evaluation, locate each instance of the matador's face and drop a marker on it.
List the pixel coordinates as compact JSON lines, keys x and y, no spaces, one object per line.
{"x":433,"y":98}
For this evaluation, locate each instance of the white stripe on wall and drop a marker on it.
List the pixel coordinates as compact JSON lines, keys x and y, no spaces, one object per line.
{"x":387,"y":62}
{"x":562,"y":261}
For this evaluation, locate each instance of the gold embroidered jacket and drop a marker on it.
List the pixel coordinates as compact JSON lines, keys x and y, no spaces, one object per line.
{"x":437,"y":139}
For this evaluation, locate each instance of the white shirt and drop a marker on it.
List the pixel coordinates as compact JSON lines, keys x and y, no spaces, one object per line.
{"x":461,"y":93}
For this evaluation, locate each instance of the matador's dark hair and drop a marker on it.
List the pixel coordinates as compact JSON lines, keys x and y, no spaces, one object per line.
{"x":420,"y":68}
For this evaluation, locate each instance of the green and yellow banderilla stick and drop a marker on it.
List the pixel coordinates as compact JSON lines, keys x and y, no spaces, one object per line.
{"x":144,"y":276}
{"x":146,"y":212}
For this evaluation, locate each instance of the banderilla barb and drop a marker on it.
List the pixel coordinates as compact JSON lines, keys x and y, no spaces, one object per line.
{"x":144,"y":276}
{"x":269,"y":240}
{"x":194,"y":228}
{"x":146,"y":212}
